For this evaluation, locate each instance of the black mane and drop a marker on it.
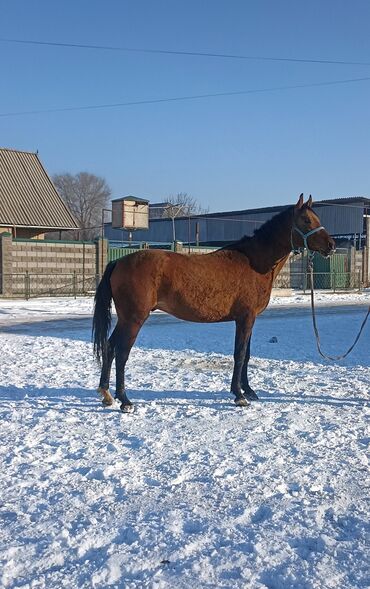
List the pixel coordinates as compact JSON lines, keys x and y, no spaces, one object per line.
{"x":263,"y":233}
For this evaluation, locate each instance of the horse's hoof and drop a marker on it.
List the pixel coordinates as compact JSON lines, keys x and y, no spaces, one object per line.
{"x":250,"y":394}
{"x":107,"y":398}
{"x":241,"y":402}
{"x":127,"y":408}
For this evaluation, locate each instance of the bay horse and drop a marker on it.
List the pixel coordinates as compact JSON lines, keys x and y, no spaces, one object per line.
{"x":233,"y":283}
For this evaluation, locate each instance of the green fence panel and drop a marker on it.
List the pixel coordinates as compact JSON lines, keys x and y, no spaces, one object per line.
{"x":332,"y":272}
{"x":114,"y":253}
{"x":339,"y":271}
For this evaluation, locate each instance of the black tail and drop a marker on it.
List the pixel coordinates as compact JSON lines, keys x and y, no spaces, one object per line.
{"x":102,"y":312}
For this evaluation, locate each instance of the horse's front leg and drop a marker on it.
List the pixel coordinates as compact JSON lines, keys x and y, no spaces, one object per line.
{"x":242,"y":335}
{"x":248,"y":391}
{"x":103,"y":388}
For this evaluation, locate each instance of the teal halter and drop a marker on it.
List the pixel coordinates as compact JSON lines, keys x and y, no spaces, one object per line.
{"x":305,"y":237}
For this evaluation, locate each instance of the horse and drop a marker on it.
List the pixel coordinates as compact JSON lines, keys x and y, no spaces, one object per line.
{"x":233,"y":283}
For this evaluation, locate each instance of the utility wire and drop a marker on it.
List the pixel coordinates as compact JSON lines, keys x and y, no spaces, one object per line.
{"x":186,"y":53}
{"x":182,"y":98}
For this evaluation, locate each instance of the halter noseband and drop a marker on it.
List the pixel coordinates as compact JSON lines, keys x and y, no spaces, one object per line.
{"x":305,"y":237}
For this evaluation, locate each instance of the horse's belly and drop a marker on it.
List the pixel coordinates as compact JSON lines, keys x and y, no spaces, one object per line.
{"x":185,"y":312}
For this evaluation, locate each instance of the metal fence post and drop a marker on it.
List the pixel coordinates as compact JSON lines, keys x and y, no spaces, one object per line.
{"x":27,"y":286}
{"x":83,"y":267}
{"x":74,"y":281}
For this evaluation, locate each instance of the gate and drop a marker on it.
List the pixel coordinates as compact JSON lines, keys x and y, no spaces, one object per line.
{"x":331,"y":273}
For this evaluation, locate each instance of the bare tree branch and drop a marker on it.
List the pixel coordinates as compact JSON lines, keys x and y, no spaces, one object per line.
{"x":182,"y":204}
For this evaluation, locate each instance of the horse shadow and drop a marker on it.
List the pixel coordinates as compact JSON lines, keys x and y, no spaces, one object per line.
{"x":75,"y":328}
{"x":272,"y":340}
{"x":48,"y":398}
{"x":86,"y":400}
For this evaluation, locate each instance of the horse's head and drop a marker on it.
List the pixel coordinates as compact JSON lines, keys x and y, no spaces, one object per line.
{"x":307,"y":230}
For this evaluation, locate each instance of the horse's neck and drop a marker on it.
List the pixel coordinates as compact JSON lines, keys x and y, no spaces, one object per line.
{"x":269,"y":253}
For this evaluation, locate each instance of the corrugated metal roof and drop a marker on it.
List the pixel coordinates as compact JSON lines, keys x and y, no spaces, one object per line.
{"x":348,"y":200}
{"x":28,"y":197}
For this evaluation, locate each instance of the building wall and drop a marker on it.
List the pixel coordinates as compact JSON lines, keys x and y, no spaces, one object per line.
{"x":28,"y":233}
{"x":24,"y":232}
{"x":366,"y":264}
{"x":5,"y":261}
{"x":357,"y":258}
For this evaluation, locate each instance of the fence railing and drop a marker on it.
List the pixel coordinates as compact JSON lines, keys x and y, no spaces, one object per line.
{"x":332,"y":281}
{"x":28,"y":285}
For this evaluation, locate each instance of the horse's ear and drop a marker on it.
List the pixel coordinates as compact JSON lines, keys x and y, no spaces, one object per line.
{"x":299,"y":204}
{"x":309,"y":202}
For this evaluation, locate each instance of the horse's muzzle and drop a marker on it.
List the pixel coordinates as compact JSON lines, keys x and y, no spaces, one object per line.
{"x":330,"y":248}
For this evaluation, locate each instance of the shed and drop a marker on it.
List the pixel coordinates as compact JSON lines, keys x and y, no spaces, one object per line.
{"x":130,"y":213}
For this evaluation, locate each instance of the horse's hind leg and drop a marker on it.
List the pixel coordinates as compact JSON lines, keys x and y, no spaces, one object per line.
{"x":125,"y":339}
{"x":108,"y":356}
{"x":248,"y":391}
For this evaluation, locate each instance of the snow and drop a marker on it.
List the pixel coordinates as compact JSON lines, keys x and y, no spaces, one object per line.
{"x":189,"y":491}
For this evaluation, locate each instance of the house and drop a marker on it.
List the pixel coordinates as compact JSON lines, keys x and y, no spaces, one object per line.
{"x":30,"y":206}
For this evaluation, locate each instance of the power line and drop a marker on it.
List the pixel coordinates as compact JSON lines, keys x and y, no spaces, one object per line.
{"x":185,"y":53}
{"x":182,"y":98}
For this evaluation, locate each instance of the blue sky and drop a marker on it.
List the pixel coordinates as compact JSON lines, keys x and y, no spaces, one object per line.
{"x":229,"y":152}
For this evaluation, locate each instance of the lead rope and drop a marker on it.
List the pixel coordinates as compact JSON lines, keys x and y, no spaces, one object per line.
{"x":326,"y":356}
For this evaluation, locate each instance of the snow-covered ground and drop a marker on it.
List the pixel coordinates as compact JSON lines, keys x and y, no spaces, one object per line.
{"x":189,"y":491}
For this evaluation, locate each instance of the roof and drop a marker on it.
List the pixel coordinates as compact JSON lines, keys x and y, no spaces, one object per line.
{"x":28,"y":198}
{"x":348,"y":200}
{"x":131,"y":198}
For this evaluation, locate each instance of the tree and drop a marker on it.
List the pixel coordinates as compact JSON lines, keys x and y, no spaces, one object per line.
{"x":182,"y":204}
{"x":85,"y":195}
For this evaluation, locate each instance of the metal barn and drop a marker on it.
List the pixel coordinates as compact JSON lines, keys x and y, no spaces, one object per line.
{"x":343,"y":217}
